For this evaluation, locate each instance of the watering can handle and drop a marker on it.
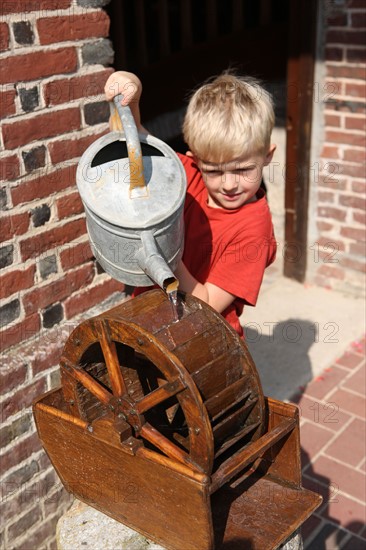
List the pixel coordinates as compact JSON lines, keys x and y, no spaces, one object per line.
{"x":137,"y":179}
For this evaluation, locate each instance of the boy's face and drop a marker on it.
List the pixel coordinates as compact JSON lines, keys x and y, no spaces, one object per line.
{"x":232,"y":184}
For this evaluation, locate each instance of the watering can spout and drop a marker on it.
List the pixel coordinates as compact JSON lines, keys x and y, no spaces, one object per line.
{"x":154,"y":265}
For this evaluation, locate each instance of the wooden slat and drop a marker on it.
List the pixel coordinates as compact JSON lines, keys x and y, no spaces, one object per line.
{"x":219,"y":403}
{"x":160,"y":394}
{"x":152,"y":435}
{"x":112,"y":362}
{"x":227,"y":369}
{"x":229,"y":425}
{"x":87,"y":381}
{"x":62,"y":415}
{"x":239,"y":435}
{"x":243,"y":458}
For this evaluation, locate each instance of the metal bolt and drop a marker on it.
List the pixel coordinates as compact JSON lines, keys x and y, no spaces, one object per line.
{"x":77,"y":342}
{"x":197,"y":431}
{"x":89,"y":428}
{"x":140,"y":342}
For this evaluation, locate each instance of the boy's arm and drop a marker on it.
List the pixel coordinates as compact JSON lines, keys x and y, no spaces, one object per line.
{"x":129,"y":85}
{"x":213,"y":295}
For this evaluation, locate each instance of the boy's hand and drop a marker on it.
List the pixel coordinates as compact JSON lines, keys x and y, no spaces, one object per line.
{"x":127,"y":84}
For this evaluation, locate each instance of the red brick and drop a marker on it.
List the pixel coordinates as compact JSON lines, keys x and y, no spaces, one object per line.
{"x":324,"y":226}
{"x":356,"y":89}
{"x":74,"y":27}
{"x":332,"y":181}
{"x":328,"y":415}
{"x":347,"y":512}
{"x":44,"y":185}
{"x":9,"y":168}
{"x":7,"y":103}
{"x":55,"y":291}
{"x":359,"y":187}
{"x":38,"y":244}
{"x":332,"y":120}
{"x":330,"y":152}
{"x":313,"y":438}
{"x":346,"y":138}
{"x":69,"y":205}
{"x":12,"y":376}
{"x":41,"y":126}
{"x":349,"y":360}
{"x":69,"y":89}
{"x":349,"y":402}
{"x":24,"y":6}
{"x":326,"y":196}
{"x":356,"y":123}
{"x":4,"y":37}
{"x":345,"y":71}
{"x":349,"y":446}
{"x":355,"y":155}
{"x":66,"y":149}
{"x":36,"y":537}
{"x":359,"y":249}
{"x":354,"y":170}
{"x":326,"y":381}
{"x":356,"y":55}
{"x":349,"y":480}
{"x":92,"y":296}
{"x":23,"y":398}
{"x":353,"y":233}
{"x":332,"y":271}
{"x":330,"y":212}
{"x":35,"y":65}
{"x":13,"y":224}
{"x":19,"y":332}
{"x":21,"y":451}
{"x":353,"y":264}
{"x":346,"y":36}
{"x":309,"y":527}
{"x":352,"y":202}
{"x":16,"y":280}
{"x":337,"y":20}
{"x":359,"y":217}
{"x":43,"y":362}
{"x":330,"y":247}
{"x":358,"y":19}
{"x":75,"y":255}
{"x":333,"y":53}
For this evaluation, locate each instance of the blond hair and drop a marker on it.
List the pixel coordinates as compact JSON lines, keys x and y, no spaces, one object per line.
{"x":227,"y":117}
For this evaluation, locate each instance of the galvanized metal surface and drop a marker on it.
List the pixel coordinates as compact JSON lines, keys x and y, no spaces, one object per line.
{"x":119,"y":208}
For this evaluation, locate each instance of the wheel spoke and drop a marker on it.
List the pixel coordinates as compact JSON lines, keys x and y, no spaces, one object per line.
{"x":111,"y":359}
{"x":161,"y":442}
{"x":160,"y":394}
{"x":88,"y":382}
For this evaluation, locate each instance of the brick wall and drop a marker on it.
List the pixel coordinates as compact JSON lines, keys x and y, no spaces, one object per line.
{"x":337,"y":257}
{"x":53,"y":59}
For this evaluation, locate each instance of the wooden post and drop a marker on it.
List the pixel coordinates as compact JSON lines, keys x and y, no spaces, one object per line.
{"x":300,"y":83}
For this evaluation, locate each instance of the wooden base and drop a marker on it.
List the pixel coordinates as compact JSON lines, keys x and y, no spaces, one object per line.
{"x":165,"y":500}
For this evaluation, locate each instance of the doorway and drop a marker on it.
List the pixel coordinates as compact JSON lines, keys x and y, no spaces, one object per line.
{"x":174,"y":45}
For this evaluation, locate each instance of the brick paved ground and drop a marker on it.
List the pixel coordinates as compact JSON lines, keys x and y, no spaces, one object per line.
{"x":333,"y":448}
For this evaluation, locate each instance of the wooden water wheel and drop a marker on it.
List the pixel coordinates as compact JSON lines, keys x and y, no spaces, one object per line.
{"x":187,"y":390}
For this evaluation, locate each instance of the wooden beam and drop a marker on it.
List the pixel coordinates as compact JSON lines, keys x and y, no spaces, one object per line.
{"x":300,"y":83}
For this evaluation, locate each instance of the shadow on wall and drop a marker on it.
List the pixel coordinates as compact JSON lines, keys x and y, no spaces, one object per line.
{"x":281,"y":355}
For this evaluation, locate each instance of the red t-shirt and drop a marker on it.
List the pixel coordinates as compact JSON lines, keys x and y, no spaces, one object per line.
{"x":228,"y":248}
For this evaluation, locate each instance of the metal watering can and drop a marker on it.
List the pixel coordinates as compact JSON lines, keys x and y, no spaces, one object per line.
{"x":133,"y":189}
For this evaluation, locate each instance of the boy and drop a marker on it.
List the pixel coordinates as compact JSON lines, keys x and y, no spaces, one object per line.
{"x":229,"y":238}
